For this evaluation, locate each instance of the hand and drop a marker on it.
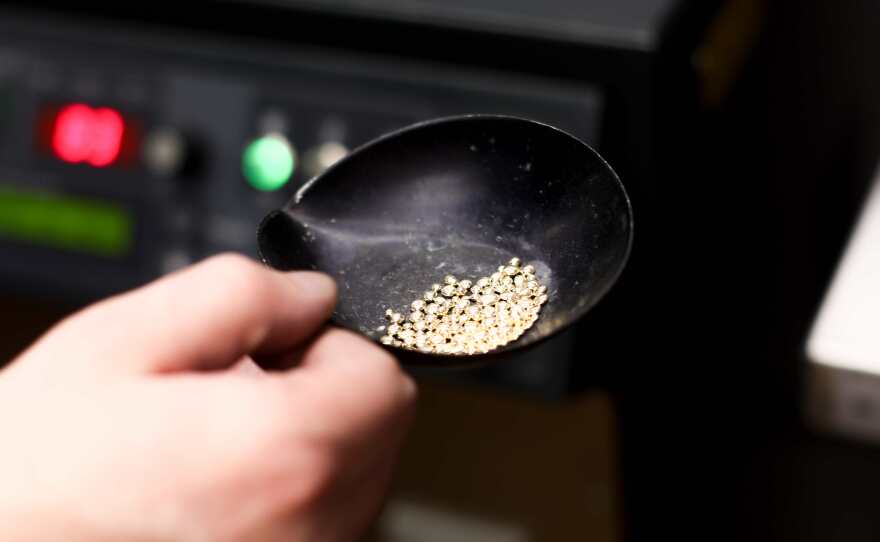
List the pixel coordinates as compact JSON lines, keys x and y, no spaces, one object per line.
{"x":143,"y":418}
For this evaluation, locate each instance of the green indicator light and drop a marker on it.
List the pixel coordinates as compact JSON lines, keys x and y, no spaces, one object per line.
{"x":268,"y":162}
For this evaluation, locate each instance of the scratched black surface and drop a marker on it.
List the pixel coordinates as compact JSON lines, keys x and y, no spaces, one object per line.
{"x":458,"y":196}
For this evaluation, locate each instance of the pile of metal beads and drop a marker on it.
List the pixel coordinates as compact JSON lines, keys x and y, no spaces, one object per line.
{"x":464,"y":317}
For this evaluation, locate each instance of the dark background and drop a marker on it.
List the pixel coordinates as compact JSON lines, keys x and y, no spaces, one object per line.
{"x":746,"y":134}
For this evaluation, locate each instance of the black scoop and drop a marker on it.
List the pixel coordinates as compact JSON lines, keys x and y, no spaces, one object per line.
{"x":458,"y":196}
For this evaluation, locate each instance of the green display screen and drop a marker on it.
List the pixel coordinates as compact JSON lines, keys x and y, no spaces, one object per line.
{"x":66,"y":222}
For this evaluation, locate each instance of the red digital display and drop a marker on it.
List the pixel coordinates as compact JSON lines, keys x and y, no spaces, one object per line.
{"x":84,"y":134}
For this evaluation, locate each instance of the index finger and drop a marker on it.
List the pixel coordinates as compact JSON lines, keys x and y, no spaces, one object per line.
{"x":204,"y":317}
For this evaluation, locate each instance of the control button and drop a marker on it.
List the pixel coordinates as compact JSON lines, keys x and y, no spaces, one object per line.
{"x":319,"y":158}
{"x":165,"y":152}
{"x":175,"y":259}
{"x":268,"y":162}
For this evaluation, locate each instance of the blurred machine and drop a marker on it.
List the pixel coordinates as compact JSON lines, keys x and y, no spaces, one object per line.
{"x":126,"y":156}
{"x":135,"y":139}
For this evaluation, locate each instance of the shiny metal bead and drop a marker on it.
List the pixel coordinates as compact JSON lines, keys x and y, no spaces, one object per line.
{"x":466,"y":317}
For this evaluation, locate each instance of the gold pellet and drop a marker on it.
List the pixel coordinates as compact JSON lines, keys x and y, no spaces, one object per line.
{"x":468,"y":317}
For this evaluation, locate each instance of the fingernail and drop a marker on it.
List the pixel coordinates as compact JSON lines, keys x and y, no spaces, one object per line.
{"x":314,"y":284}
